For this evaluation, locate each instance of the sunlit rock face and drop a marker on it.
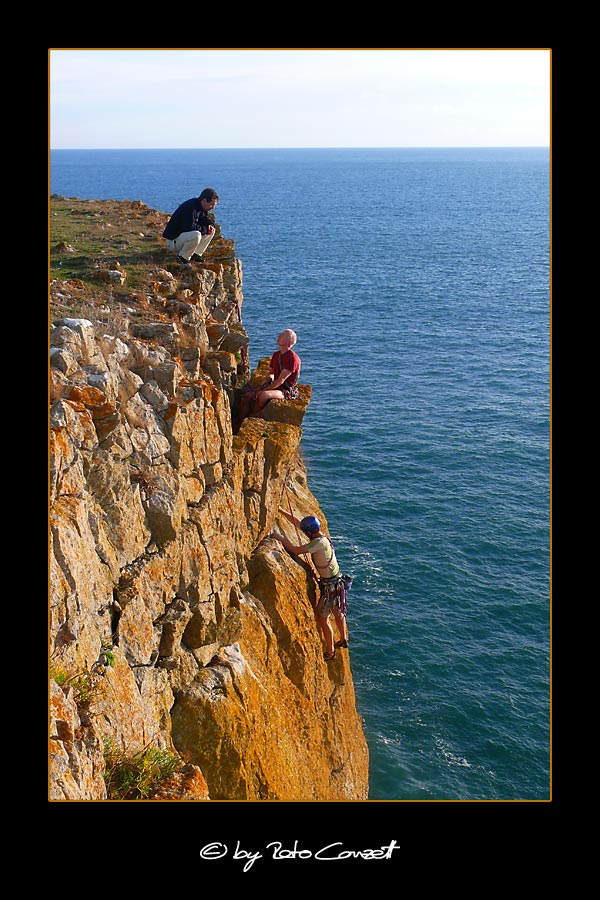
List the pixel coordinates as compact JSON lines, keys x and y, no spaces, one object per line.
{"x":193,"y":630}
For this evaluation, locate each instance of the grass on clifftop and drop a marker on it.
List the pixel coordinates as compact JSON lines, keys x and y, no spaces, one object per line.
{"x":89,"y":238}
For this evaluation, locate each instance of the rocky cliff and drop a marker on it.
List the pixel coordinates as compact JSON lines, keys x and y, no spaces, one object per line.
{"x":177,"y":627}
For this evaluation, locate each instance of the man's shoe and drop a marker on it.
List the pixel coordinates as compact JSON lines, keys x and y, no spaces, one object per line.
{"x":197,"y":258}
{"x":183,"y":261}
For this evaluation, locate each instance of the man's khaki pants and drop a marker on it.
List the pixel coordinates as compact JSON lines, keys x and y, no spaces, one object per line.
{"x":189,"y":242}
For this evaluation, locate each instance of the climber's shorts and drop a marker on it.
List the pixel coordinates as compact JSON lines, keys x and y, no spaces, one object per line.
{"x":333,"y":594}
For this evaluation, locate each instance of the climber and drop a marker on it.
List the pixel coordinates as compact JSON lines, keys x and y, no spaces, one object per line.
{"x":280,"y":384}
{"x":333,"y":584}
{"x":189,"y":231}
{"x":282,"y":381}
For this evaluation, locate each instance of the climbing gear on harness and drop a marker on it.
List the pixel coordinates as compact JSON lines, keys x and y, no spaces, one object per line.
{"x":333,"y":594}
{"x":290,"y":393}
{"x":310,"y":524}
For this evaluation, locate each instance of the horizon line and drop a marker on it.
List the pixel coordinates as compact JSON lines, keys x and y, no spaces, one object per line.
{"x":338,"y":147}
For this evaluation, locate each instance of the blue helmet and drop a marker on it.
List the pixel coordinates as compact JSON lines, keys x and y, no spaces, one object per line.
{"x":310,"y":524}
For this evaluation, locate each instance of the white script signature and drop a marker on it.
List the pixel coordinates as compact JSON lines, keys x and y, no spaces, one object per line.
{"x":334,"y":851}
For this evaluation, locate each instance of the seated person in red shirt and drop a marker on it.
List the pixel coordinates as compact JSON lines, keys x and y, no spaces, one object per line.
{"x":282,"y":383}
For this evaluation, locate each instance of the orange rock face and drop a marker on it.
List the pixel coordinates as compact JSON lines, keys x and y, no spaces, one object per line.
{"x":196,"y":629}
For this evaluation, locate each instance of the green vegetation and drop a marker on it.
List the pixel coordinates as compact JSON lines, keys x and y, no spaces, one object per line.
{"x":139,"y":776}
{"x":88,"y":238}
{"x":107,"y":262}
{"x":89,"y":233}
{"x":84,"y":685}
{"x":109,"y":656}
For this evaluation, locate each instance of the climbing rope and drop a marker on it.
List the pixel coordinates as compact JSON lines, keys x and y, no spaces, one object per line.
{"x":243,"y":352}
{"x":290,"y":507}
{"x":309,"y":561}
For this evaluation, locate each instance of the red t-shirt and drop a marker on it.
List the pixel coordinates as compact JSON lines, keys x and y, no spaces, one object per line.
{"x":289,"y":361}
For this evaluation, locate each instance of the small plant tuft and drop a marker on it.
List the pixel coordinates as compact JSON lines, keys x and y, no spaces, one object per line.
{"x":109,"y":657}
{"x":85,"y":685}
{"x":139,"y":776}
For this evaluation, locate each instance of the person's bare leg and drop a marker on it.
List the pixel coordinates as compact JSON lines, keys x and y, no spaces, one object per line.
{"x":264,"y":397}
{"x":340,"y":620}
{"x":328,"y":632}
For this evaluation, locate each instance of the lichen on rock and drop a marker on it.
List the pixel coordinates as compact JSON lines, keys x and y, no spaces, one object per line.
{"x":196,"y":630}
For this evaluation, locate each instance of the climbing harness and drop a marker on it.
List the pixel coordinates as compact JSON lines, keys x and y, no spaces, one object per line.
{"x":335,"y":589}
{"x":334,"y":593}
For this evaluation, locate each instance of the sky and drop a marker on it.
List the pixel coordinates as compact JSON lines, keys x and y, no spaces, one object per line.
{"x":228,"y":98}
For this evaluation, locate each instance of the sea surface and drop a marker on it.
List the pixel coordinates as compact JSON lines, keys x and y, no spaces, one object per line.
{"x":418,"y":283}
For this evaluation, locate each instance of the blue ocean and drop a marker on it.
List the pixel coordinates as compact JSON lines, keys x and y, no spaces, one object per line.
{"x":418,"y":281}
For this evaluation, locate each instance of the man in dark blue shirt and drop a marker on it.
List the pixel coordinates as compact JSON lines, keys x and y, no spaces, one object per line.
{"x":189,"y":231}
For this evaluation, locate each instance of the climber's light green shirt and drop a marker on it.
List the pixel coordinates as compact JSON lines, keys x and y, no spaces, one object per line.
{"x":324,"y":557}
